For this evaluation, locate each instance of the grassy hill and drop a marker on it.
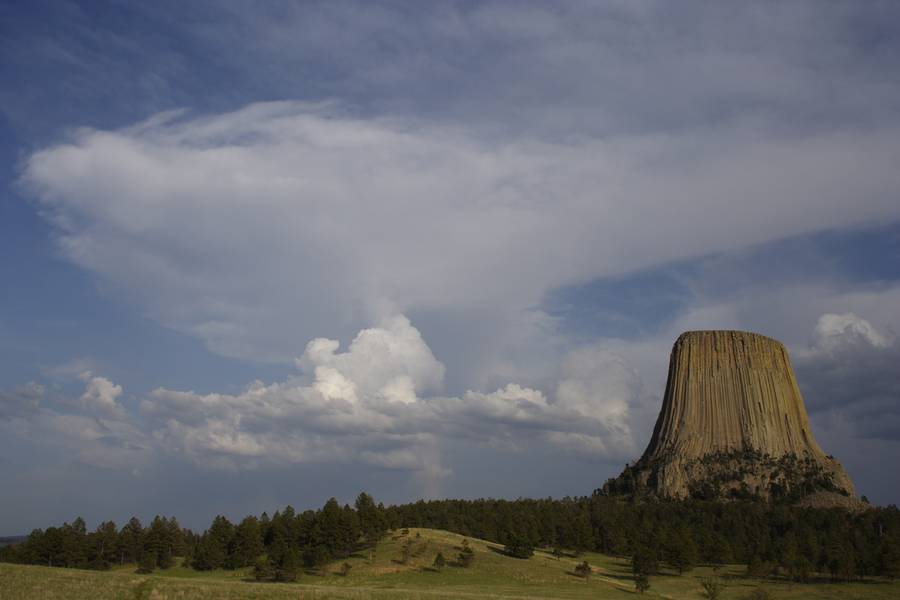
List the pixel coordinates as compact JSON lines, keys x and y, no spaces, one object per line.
{"x":382,"y":575}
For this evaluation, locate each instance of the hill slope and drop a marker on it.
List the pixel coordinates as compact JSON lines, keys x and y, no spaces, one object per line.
{"x":382,"y":575}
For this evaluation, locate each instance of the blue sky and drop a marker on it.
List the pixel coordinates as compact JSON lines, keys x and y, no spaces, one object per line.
{"x":261,"y":254}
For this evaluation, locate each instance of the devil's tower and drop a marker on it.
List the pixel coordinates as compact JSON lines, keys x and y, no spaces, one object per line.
{"x":732,"y":424}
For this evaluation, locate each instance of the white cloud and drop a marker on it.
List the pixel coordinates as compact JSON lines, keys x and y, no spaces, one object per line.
{"x":100,"y":396}
{"x":391,"y":361}
{"x":255,"y":228}
{"x":479,"y":188}
{"x":836,"y":333}
{"x":363,"y":405}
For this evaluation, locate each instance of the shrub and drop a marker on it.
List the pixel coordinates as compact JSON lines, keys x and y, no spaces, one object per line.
{"x":262,"y":569}
{"x":519,"y":547}
{"x":583,"y":570}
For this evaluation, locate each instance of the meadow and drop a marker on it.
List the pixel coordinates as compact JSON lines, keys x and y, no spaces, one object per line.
{"x":382,"y":573}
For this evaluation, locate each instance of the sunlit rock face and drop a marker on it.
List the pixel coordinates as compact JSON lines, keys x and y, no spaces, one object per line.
{"x":732,"y":424}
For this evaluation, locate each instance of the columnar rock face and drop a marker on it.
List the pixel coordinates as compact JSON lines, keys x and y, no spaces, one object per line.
{"x":732,"y":423}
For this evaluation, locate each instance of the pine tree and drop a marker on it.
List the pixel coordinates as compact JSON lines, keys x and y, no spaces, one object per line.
{"x":439,"y":561}
{"x":681,"y":551}
{"x":889,"y":560}
{"x":212,"y":550}
{"x":158,"y":542}
{"x":644,"y":561}
{"x":102,"y":546}
{"x":147,"y":563}
{"x":176,"y":536}
{"x":73,"y":549}
{"x":131,"y":542}
{"x":262,"y":569}
{"x":247,"y":544}
{"x":519,"y":546}
{"x":371,"y":518}
{"x":289,"y":567}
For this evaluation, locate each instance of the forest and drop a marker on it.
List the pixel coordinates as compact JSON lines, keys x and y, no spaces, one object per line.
{"x":771,"y":539}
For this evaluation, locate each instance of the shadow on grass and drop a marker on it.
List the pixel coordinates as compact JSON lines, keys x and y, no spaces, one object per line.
{"x":503,"y":552}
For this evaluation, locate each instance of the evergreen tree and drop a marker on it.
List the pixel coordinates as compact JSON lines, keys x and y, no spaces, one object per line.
{"x":348,"y":532}
{"x":262,"y":569}
{"x":246,"y":545}
{"x":644,"y":561}
{"x":439,"y":561}
{"x":73,"y":547}
{"x":102,"y":546}
{"x":681,"y":551}
{"x":176,"y":537}
{"x":158,"y":542}
{"x":147,"y":563}
{"x":212,"y":551}
{"x":131,"y":542}
{"x":889,"y":560}
{"x":519,"y":546}
{"x":289,"y":567}
{"x":371,"y":519}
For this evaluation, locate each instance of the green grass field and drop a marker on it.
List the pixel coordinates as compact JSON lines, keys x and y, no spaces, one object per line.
{"x":381,"y":575}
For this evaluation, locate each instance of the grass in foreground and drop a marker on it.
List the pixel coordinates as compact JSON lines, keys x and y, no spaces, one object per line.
{"x":381,"y":574}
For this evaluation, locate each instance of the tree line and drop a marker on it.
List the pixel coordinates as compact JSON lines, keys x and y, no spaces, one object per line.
{"x":769,"y":538}
{"x":277,"y":546}
{"x":792,"y":541}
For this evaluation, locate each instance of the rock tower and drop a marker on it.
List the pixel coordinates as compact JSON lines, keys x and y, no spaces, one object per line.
{"x":733,"y":424}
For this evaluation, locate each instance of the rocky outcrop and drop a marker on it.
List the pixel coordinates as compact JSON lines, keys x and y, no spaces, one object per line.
{"x":732,"y":424}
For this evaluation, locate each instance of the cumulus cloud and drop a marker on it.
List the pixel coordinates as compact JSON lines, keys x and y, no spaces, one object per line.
{"x":391,"y":361}
{"x":846,"y":333}
{"x":363,"y":405}
{"x":100,"y":396}
{"x":851,"y":370}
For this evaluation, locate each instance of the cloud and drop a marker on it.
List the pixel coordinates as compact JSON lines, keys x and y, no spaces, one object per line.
{"x":254,"y":228}
{"x":391,"y":361}
{"x":93,"y":430}
{"x":846,"y":333}
{"x":71,"y":368}
{"x":100,"y":396}
{"x":474,"y":160}
{"x":850,"y":371}
{"x":22,"y":402}
{"x":363,"y":405}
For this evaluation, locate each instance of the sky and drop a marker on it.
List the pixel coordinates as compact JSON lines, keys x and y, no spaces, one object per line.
{"x":259,"y":254}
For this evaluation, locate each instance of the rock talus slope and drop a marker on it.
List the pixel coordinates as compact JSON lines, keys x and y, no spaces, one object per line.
{"x":732,"y":423}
